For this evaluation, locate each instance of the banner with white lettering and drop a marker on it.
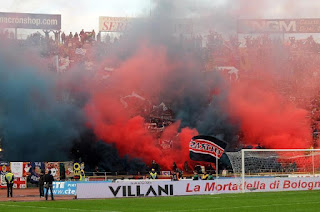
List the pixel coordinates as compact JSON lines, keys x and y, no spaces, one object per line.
{"x":206,"y":148}
{"x":30,"y":21}
{"x":311,"y":25}
{"x":188,"y":187}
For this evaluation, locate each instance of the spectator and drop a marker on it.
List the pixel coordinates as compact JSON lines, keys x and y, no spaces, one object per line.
{"x":63,"y":37}
{"x":174,"y":166}
{"x":93,"y":35}
{"x":175,"y":176}
{"x":155,"y":166}
{"x":186,"y":167}
{"x":48,"y":180}
{"x":82,"y":176}
{"x":210,"y":176}
{"x":153,"y":174}
{"x":204,"y":176}
{"x":41,"y":184}
{"x":209,"y":168}
{"x":195,"y":176}
{"x":82,"y":36}
{"x":198,"y":169}
{"x":108,"y":38}
{"x":99,"y":37}
{"x":76,"y":37}
{"x":9,"y":177}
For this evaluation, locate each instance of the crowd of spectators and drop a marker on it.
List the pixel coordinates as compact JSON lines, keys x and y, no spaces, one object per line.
{"x":293,"y":62}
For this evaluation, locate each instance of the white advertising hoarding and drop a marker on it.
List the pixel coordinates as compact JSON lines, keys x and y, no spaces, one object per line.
{"x":188,"y":187}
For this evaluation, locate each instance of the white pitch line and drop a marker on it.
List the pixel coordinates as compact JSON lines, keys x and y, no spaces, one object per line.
{"x":240,"y":207}
{"x":50,"y":208}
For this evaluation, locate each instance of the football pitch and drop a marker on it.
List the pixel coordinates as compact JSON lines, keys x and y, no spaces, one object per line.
{"x":272,"y":201}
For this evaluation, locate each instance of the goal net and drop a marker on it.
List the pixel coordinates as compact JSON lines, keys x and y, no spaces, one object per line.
{"x":249,"y":163}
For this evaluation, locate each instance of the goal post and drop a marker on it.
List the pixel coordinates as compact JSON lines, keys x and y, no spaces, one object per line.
{"x":252,"y":163}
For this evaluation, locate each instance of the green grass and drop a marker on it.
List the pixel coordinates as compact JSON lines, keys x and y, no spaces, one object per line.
{"x":257,"y":202}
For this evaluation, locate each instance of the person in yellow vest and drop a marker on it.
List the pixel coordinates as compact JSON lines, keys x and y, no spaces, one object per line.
{"x":153,"y":174}
{"x":204,"y":176}
{"x":9,"y":179}
{"x":82,"y":176}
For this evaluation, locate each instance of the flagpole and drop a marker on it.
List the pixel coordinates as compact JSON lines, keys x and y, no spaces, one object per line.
{"x":217,"y":167}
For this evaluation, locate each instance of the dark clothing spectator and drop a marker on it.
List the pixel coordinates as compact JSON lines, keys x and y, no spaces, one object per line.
{"x":99,"y":37}
{"x":63,"y":37}
{"x":82,"y":36}
{"x":155,"y":166}
{"x":210,"y":169}
{"x":175,"y":176}
{"x":76,"y":37}
{"x":48,"y":179}
{"x":41,"y":185}
{"x":186,"y":167}
{"x":174,"y":167}
{"x":93,"y":35}
{"x":198,"y":169}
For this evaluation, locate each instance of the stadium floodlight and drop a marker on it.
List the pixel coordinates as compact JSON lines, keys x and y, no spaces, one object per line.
{"x":249,"y":163}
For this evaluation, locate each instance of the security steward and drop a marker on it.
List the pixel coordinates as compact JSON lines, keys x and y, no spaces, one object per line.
{"x":9,"y":179}
{"x":204,"y":176}
{"x":82,"y":176}
{"x":153,"y":174}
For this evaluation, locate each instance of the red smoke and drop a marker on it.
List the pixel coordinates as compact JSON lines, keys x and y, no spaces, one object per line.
{"x":267,"y":118}
{"x":122,"y":125}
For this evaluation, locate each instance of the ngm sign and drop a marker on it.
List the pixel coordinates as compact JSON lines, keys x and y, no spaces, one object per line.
{"x":279,"y":26}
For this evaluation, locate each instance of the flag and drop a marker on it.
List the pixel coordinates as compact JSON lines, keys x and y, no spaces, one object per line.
{"x":206,"y":148}
{"x":35,"y":171}
{"x":54,"y":167}
{"x":16,"y":169}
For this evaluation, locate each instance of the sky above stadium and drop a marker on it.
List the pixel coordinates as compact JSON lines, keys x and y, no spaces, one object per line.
{"x":84,"y":14}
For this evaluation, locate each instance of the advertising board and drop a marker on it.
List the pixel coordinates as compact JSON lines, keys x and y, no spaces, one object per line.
{"x":30,"y":21}
{"x":311,"y":25}
{"x":68,"y":187}
{"x":188,"y":187}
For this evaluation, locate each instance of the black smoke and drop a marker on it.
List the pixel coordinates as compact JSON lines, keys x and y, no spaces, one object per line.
{"x":94,"y":153}
{"x":36,"y":124}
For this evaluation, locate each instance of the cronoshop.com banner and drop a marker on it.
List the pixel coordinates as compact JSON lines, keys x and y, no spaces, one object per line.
{"x":188,"y":187}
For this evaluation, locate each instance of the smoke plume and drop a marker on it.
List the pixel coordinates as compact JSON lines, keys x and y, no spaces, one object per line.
{"x":37,"y":126}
